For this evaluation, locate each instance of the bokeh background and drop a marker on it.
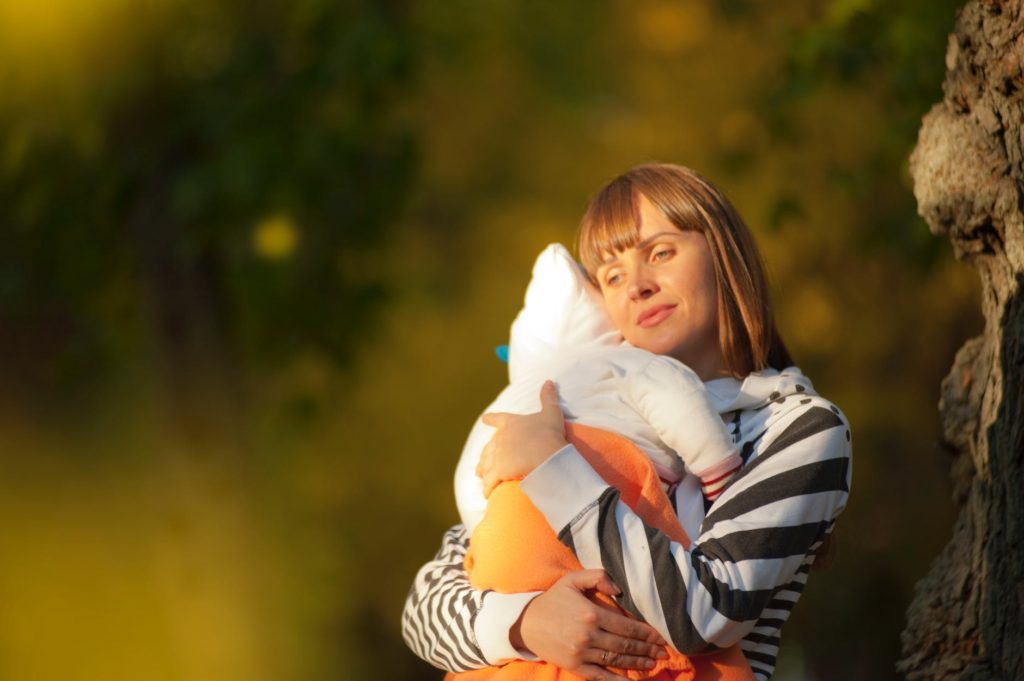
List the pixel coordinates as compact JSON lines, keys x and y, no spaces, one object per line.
{"x":255,"y":258}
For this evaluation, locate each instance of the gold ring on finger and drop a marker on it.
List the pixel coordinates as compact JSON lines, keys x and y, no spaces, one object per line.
{"x":604,"y":657}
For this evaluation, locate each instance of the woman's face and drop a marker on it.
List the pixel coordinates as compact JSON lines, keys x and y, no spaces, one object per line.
{"x":661,"y":293}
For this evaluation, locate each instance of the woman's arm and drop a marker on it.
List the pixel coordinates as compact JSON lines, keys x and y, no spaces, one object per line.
{"x":442,"y":586}
{"x":451,"y":625}
{"x":757,"y":540}
{"x":455,"y":627}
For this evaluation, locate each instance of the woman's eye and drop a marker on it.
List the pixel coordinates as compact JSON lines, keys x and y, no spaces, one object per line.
{"x":612,"y":279}
{"x":662,"y":254}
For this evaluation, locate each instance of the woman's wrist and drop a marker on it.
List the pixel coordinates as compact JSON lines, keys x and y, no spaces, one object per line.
{"x":497,"y":616}
{"x":562,"y":486}
{"x":515,"y":633}
{"x":551,"y":445}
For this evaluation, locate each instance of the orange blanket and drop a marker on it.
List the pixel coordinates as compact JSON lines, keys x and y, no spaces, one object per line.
{"x":514,"y":550}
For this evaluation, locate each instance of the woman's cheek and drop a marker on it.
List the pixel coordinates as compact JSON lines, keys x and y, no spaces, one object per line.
{"x":612,"y":309}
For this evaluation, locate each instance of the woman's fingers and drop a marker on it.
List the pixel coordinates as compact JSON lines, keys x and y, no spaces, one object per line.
{"x":625,"y":627}
{"x":483,"y":463}
{"x":496,"y":419}
{"x":489,"y":474}
{"x":565,"y":627}
{"x":621,"y":661}
{"x":629,"y":644}
{"x":627,"y":653}
{"x":594,"y":578}
{"x":521,"y":442}
{"x":549,"y":398}
{"x":489,"y":483}
{"x":550,"y":409}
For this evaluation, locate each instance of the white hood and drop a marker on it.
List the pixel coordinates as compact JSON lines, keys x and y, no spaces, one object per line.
{"x":757,"y":389}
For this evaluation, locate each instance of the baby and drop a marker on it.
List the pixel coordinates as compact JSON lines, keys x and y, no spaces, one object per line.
{"x":563,"y":333}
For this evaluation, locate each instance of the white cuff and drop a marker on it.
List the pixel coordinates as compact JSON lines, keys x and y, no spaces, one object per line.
{"x":494,"y":620}
{"x":563,"y":486}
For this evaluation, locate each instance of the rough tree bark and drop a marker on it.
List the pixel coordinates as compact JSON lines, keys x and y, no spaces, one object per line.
{"x":967,"y":617}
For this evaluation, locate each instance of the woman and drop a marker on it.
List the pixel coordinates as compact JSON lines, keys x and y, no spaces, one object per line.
{"x":680,"y":276}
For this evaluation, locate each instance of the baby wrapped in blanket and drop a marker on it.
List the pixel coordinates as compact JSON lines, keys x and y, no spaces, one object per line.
{"x":642,"y":420}
{"x":563,"y":333}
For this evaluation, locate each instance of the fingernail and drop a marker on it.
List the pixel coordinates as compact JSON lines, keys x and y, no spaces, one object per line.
{"x":648,"y":664}
{"x":662,"y":655}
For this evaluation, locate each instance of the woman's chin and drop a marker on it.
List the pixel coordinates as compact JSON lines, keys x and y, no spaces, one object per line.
{"x":659,"y":341}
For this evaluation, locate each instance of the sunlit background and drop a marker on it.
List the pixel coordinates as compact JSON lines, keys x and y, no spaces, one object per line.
{"x":255,"y":258}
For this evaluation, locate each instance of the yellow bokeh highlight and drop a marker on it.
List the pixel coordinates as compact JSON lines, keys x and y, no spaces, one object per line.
{"x":41,"y":26}
{"x":275,"y":238}
{"x":670,"y":27}
{"x":68,"y":44}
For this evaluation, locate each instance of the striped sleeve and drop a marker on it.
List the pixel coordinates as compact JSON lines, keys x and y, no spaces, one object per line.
{"x":441,"y":609}
{"x":757,"y":539}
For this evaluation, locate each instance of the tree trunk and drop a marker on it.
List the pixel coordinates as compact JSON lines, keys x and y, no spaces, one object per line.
{"x":967,"y":617}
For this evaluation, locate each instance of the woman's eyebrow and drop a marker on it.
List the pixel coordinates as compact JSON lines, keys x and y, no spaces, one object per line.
{"x":640,"y":245}
{"x":612,"y":258}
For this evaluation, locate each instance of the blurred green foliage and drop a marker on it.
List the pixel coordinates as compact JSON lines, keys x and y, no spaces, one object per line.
{"x":226,"y":173}
{"x":894,"y":50}
{"x":259,"y":256}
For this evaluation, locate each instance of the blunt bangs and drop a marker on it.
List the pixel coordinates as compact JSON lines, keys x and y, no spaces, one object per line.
{"x":610,"y":225}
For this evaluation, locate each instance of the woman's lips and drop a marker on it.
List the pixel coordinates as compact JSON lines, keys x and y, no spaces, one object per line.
{"x":654,"y":316}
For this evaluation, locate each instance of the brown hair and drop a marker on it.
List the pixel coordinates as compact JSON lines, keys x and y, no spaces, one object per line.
{"x":747,"y":334}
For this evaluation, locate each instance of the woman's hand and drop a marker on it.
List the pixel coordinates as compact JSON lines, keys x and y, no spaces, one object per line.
{"x":564,"y":627}
{"x":522,"y":441}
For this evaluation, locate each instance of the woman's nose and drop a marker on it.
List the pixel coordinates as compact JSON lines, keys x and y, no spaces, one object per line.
{"x":642,"y":286}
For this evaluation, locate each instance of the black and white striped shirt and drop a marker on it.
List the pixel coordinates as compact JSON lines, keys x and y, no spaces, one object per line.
{"x":739,"y":580}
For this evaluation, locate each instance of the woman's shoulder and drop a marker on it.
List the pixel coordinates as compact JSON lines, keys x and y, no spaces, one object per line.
{"x":796,"y":418}
{"x":780,"y":409}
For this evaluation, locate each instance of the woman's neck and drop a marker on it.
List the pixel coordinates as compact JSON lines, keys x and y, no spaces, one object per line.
{"x":708,"y":367}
